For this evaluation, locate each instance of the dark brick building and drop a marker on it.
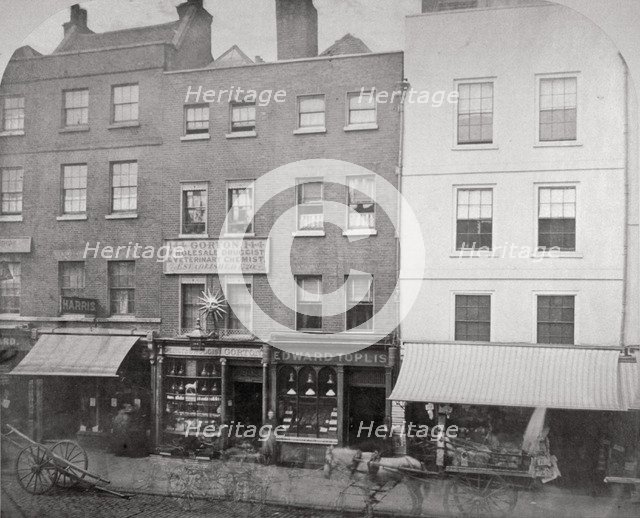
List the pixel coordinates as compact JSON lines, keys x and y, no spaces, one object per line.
{"x":111,"y":141}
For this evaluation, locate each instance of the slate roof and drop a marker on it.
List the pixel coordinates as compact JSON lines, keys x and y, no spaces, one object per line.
{"x":348,"y":44}
{"x":78,"y":41}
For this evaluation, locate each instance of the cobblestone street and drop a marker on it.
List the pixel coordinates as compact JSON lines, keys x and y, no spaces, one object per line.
{"x":16,"y":503}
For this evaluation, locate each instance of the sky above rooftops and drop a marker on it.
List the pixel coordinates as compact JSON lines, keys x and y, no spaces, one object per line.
{"x":250,"y":24}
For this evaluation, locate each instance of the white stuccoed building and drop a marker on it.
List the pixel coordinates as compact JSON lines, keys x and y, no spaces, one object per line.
{"x":526,"y":192}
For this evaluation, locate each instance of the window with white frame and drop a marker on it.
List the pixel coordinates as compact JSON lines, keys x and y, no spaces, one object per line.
{"x":10,"y":287}
{"x":240,"y":207}
{"x":125,"y":103}
{"x":196,"y":119}
{"x":558,"y":106}
{"x":190,"y":293}
{"x":311,"y":111}
{"x":557,"y":219}
{"x":74,"y":189}
{"x":243,"y":117}
{"x":71,"y":278}
{"x":240,"y":303}
{"x":362,"y":109}
{"x":76,"y":107}
{"x":309,"y":303}
{"x":475,"y":113}
{"x":473,"y":318}
{"x":474,"y":219}
{"x":556,"y":319}
{"x":122,"y":287}
{"x":11,"y":183}
{"x":13,"y":115}
{"x":361,"y":192}
{"x":359,"y":292}
{"x":310,"y":205}
{"x":194,"y":209}
{"x":124,"y":186}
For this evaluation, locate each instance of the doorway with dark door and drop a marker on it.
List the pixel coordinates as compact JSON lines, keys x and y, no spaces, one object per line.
{"x":365,"y":413}
{"x":247,"y":402}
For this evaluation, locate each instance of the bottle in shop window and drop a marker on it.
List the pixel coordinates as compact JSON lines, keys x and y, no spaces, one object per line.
{"x":172,"y":372}
{"x":204,"y":389}
{"x":214,"y":388}
{"x":174,"y":387}
{"x":180,"y":386}
{"x":180,"y":369}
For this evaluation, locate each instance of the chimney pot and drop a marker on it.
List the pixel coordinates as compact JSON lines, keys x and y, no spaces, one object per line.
{"x":182,"y":8}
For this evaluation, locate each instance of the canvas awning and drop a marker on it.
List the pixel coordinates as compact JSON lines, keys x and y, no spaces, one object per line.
{"x":513,"y":375}
{"x":75,"y":355}
{"x":630,"y":383}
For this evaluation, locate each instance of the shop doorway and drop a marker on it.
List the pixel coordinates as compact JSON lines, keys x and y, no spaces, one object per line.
{"x":366,"y":406}
{"x":247,"y":401}
{"x":61,"y":408}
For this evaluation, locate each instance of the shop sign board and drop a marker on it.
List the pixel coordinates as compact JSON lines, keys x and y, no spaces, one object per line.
{"x":15,"y":245}
{"x":362,"y":358}
{"x":78,"y":306}
{"x":200,"y":256}
{"x":225,"y":352}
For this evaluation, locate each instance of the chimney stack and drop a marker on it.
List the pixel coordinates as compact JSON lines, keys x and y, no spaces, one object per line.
{"x":78,"y":20}
{"x":184,"y":7}
{"x":297,"y":29}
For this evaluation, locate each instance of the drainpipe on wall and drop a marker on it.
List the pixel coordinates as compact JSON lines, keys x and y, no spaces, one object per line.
{"x":404,"y":85}
{"x":625,"y":246}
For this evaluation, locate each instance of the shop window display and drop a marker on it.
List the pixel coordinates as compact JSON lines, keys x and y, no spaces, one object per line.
{"x":307,"y":402}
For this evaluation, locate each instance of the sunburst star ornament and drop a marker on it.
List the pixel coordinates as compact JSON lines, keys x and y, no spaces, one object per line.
{"x":212,"y":305}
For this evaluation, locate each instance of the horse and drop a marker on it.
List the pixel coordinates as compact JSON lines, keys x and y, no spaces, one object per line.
{"x":371,"y":472}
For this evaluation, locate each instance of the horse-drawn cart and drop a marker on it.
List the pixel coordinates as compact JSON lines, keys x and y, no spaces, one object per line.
{"x":40,"y":468}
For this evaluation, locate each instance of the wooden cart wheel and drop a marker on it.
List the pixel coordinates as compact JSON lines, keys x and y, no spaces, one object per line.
{"x":75,"y":454}
{"x":486,"y":496}
{"x":35,"y":471}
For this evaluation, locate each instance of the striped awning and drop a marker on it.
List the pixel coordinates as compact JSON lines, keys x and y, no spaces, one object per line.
{"x":76,"y":355}
{"x":513,"y":375}
{"x":630,"y":383}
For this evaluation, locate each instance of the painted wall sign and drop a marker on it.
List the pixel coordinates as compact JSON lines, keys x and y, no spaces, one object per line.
{"x":78,"y":306}
{"x":225,"y":352}
{"x":365,"y":358}
{"x":15,"y":245}
{"x":200,"y":256}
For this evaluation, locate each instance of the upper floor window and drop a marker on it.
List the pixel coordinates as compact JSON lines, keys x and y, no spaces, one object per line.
{"x":360,"y":302}
{"x":13,"y":115}
{"x":121,"y":287}
{"x":474,"y":219}
{"x":11,"y":191}
{"x":362,"y":109}
{"x":475,"y":113}
{"x":240,"y":207}
{"x":473,"y":318}
{"x":76,"y":107}
{"x":558,"y":109}
{"x":243,"y":117}
{"x":74,"y":189}
{"x":124,"y":186}
{"x":240,"y":309}
{"x":197,"y":119}
{"x":309,"y":303}
{"x":362,"y":213}
{"x":9,"y":287}
{"x":557,"y":218}
{"x":311,"y":112}
{"x":125,"y":103}
{"x":310,"y":205}
{"x":190,"y":294}
{"x":556,"y":319}
{"x":71,"y":278}
{"x":194,"y":209}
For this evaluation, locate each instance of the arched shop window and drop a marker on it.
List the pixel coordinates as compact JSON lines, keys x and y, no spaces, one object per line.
{"x":307,"y":401}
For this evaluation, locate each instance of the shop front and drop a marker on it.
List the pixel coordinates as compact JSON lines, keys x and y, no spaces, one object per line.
{"x":567,"y":405}
{"x":322,"y":400}
{"x":14,"y":345}
{"x":78,"y":383}
{"x":208,"y":396}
